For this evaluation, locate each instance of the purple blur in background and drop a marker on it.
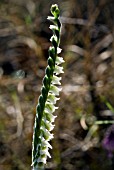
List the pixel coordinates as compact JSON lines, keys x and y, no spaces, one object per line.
{"x":108,"y":141}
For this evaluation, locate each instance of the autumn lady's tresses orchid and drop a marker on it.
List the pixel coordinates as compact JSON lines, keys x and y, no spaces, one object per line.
{"x":49,"y":95}
{"x":108,"y":141}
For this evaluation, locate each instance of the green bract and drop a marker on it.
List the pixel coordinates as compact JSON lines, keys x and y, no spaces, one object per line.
{"x":50,"y":90}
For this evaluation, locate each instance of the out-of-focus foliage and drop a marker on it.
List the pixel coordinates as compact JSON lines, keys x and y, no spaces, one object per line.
{"x":88,"y":48}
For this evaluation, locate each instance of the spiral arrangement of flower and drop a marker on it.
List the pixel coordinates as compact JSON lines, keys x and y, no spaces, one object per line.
{"x":44,"y":120}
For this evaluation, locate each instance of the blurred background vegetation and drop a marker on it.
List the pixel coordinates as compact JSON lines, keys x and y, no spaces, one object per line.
{"x":87,"y":40}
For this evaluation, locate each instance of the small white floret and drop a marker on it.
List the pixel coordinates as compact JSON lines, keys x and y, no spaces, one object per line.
{"x":58,"y":70}
{"x":55,"y":90}
{"x":59,"y":50}
{"x":59,"y":60}
{"x":56,"y":80}
{"x":52,"y":98}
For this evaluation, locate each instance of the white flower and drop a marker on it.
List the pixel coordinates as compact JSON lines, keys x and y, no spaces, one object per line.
{"x":48,"y":125}
{"x":46,"y":134}
{"x":45,"y":152}
{"x":50,"y":117}
{"x":52,"y":98}
{"x":55,"y":90}
{"x":56,"y":80}
{"x":51,"y":18}
{"x":59,"y":60}
{"x":58,"y":70}
{"x":46,"y":143}
{"x":49,"y":107}
{"x":59,"y":50}
{"x":53,"y":27}
{"x":53,"y":38}
{"x":42,"y":159}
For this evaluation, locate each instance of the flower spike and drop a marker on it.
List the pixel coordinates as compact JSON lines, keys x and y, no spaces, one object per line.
{"x":44,"y":120}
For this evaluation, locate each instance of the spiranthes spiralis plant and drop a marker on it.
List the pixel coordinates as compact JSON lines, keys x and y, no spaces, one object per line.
{"x":44,"y":120}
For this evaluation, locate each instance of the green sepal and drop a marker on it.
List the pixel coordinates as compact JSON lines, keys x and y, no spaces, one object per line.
{"x":52,"y":52}
{"x":50,"y":62}
{"x":44,"y":92}
{"x":41,"y":101}
{"x":57,"y":33}
{"x":46,"y":81}
{"x":48,"y":72}
{"x":54,"y":41}
{"x":58,"y":23}
{"x":38,"y":109}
